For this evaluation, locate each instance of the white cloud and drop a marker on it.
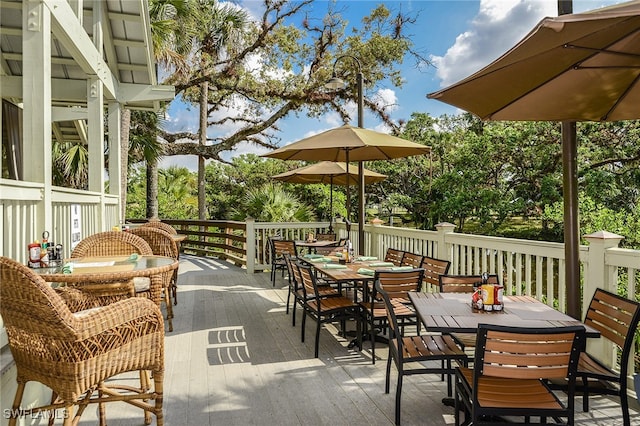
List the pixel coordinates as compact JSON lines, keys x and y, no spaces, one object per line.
{"x":497,"y":27}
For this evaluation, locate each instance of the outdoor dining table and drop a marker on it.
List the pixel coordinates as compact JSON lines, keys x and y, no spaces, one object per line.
{"x":452,"y":313}
{"x":100,"y":269}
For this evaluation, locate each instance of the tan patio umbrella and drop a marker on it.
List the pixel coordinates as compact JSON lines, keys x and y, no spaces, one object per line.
{"x":328,"y":172}
{"x":573,"y":67}
{"x":348,"y":143}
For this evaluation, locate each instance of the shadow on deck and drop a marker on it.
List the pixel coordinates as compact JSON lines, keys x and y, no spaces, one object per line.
{"x":235,"y":359}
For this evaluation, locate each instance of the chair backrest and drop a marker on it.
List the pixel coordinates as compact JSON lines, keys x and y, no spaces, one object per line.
{"x":161,"y":225}
{"x":308,"y":282}
{"x":398,"y":283}
{"x":462,"y":283}
{"x":290,"y":270}
{"x":111,"y":243}
{"x":284,"y":246}
{"x":31,"y":310}
{"x":160,"y":241}
{"x":526,"y":352}
{"x":433,"y":268}
{"x":394,"y":256}
{"x":411,"y":259}
{"x":395,"y":331}
{"x":616,"y":318}
{"x":326,"y":237}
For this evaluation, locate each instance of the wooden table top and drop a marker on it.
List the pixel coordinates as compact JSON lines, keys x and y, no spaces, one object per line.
{"x":349,"y":273}
{"x":452,"y":312}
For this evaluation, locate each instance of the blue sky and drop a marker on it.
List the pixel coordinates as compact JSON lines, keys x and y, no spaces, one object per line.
{"x":458,"y":36}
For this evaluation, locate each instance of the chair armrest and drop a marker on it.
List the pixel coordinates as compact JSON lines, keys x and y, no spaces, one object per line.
{"x":108,"y":317}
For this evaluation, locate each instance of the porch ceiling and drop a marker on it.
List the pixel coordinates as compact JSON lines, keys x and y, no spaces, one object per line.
{"x":127,"y":52}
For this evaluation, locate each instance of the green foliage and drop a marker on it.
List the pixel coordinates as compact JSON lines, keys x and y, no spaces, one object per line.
{"x":596,"y":217}
{"x":177,"y":193}
{"x":271,"y":203}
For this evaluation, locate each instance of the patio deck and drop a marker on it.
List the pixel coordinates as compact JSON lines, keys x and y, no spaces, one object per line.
{"x":234,"y":359}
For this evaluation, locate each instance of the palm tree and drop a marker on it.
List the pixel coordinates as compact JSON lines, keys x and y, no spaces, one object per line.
{"x":222,"y":27}
{"x":272,"y":203}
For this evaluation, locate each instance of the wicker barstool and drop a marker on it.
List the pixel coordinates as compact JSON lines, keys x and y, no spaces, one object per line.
{"x":155,"y":223}
{"x":75,"y":353}
{"x":112,"y":243}
{"x":162,"y":244}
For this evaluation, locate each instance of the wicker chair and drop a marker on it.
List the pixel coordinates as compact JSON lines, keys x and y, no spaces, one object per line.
{"x":161,"y":244}
{"x":112,"y":243}
{"x":75,"y":353}
{"x":154,"y":223}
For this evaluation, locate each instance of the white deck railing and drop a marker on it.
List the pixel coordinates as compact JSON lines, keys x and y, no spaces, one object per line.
{"x":534,"y":268}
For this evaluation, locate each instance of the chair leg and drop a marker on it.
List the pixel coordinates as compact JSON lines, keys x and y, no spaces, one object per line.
{"x":68,"y":415}
{"x":317,"y":344}
{"x":624,"y":404}
{"x":293,"y":313}
{"x":304,"y":322}
{"x":17,"y":400}
{"x":399,"y":395}
{"x":158,"y":387}
{"x":288,"y":300}
{"x":388,"y":375}
{"x":169,"y":307}
{"x":372,"y":337}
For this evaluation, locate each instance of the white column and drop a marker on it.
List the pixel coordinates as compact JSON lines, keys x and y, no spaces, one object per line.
{"x":115,"y":116}
{"x":36,"y":89}
{"x":95,"y":98}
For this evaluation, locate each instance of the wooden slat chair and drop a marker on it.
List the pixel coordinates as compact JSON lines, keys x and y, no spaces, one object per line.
{"x":616,"y":318}
{"x":278,"y":249}
{"x":408,"y":352}
{"x":295,"y":288}
{"x":394,"y":256}
{"x":433,"y":268}
{"x":510,"y":372}
{"x":326,"y":237}
{"x":463,"y":284}
{"x":411,"y":259}
{"x":326,"y":309}
{"x":76,"y":353}
{"x":161,"y":244}
{"x":397,"y":284}
{"x":327,"y":249}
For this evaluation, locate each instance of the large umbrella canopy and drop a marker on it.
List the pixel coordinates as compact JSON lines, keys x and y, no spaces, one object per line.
{"x":582,"y":66}
{"x":328,"y":172}
{"x":331,"y":173}
{"x":575,"y":67}
{"x":348,"y":143}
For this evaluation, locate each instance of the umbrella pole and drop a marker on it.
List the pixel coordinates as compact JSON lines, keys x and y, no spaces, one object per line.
{"x":331,"y":204}
{"x":348,"y":181}
{"x":571,"y":226}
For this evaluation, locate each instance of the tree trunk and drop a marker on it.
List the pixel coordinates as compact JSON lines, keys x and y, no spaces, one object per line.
{"x":202,"y":207}
{"x":152,"y":189}
{"x":125,"y":121}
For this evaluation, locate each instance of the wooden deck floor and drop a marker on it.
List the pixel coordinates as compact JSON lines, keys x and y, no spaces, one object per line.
{"x":235,"y":359}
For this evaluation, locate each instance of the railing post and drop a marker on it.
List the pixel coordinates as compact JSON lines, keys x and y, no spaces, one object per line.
{"x":597,"y":274}
{"x":443,"y":250}
{"x":250,"y":244}
{"x":374,"y":238}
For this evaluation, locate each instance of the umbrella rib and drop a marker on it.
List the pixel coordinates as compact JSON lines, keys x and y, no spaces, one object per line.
{"x":596,"y":50}
{"x":621,"y":98}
